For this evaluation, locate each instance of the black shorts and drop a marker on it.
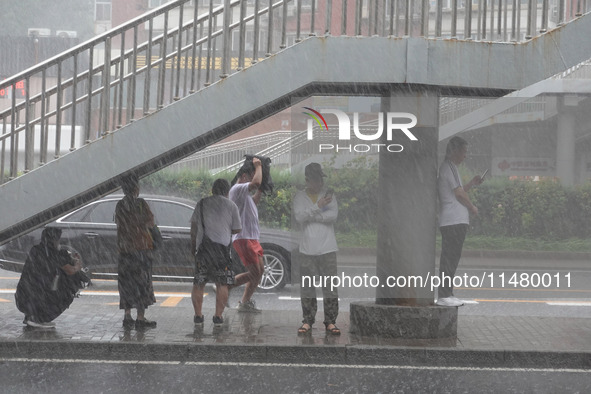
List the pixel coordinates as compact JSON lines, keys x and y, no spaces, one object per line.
{"x":213,"y":263}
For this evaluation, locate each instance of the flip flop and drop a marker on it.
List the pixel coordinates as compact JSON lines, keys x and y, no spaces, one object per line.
{"x":334,"y":330}
{"x":304,"y":330}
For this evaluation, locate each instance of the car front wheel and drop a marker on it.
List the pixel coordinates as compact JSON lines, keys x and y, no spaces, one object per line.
{"x":275,"y":272}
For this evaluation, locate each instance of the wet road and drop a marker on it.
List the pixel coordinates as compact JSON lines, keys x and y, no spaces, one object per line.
{"x":130,"y":376}
{"x":139,"y":376}
{"x":499,"y":294}
{"x":573,"y":301}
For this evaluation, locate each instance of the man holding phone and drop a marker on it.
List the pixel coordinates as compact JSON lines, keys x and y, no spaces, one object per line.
{"x":455,"y":208}
{"x":315,"y":209}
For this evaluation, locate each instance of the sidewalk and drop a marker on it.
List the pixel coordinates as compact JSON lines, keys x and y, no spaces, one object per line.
{"x":483,"y":341}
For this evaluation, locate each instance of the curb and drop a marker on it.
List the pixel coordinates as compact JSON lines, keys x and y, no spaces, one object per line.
{"x":306,"y":354}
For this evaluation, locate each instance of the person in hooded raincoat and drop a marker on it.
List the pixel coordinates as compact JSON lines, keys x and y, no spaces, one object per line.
{"x":50,"y":281}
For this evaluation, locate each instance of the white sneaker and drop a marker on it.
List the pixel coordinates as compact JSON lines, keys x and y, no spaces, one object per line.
{"x":35,"y":324}
{"x":449,"y":301}
{"x":248,"y":306}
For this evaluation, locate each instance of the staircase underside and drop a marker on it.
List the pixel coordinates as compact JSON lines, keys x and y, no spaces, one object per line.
{"x":351,"y":66}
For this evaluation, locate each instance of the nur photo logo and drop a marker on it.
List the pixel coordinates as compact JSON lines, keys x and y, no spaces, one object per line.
{"x":348,"y":128}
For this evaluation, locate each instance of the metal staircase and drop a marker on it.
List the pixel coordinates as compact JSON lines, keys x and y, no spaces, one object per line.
{"x":185,"y":75}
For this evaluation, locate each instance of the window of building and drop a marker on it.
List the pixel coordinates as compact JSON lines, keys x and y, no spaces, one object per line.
{"x":102,"y":10}
{"x":158,"y":3}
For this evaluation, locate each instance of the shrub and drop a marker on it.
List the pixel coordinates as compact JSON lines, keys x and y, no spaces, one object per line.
{"x":539,"y":210}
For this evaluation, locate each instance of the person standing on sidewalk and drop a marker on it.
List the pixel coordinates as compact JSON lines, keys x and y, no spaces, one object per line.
{"x":246,"y":243}
{"x":134,"y":241}
{"x":455,"y":208}
{"x":214,"y":221}
{"x":316,"y":211}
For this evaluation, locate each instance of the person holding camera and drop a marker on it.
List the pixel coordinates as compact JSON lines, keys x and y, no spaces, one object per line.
{"x":50,"y":281}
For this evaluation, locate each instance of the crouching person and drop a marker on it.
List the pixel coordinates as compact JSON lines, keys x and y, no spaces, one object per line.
{"x":214,"y":221}
{"x":50,"y":281}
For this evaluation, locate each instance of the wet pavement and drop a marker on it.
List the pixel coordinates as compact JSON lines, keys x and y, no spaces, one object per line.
{"x":95,"y":332}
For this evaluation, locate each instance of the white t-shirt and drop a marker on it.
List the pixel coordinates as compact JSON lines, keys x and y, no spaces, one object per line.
{"x":451,"y":211}
{"x":317,"y":224}
{"x":221,"y":217}
{"x":249,"y":214}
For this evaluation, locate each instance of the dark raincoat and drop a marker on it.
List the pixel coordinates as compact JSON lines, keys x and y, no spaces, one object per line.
{"x":44,"y":290}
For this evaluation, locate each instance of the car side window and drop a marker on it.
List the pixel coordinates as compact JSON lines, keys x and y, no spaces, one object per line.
{"x":171,"y":214}
{"x":103,"y":212}
{"x":78,"y":216}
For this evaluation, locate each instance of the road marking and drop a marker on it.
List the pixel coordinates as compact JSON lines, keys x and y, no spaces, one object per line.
{"x":82,"y":361}
{"x":296,"y":298}
{"x":525,"y":289}
{"x":116,"y":293}
{"x":402,"y":367}
{"x":171,"y":301}
{"x":569,"y":303}
{"x":290,"y":365}
{"x":477,"y":301}
{"x":3,"y":300}
{"x":525,"y":301}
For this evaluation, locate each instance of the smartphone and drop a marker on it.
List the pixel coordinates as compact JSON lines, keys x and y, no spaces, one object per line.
{"x":484,"y":174}
{"x":329,"y":193}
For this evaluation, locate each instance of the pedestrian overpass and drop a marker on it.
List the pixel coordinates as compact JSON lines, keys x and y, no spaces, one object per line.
{"x":180,"y":78}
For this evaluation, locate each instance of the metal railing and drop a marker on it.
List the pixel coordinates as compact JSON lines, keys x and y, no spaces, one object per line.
{"x":224,"y":154}
{"x":186,"y":45}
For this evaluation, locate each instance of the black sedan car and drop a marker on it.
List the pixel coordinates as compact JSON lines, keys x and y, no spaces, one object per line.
{"x":91,"y":231}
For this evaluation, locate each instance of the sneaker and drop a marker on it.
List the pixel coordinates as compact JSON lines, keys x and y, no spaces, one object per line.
{"x":128,"y":322}
{"x":248,"y":306}
{"x":35,"y":324}
{"x":145,"y":323}
{"x":198,"y":320}
{"x":449,"y":301}
{"x":218,"y":321}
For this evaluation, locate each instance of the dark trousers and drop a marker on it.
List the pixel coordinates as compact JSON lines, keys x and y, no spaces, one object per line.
{"x":319,"y":266}
{"x":452,"y":242}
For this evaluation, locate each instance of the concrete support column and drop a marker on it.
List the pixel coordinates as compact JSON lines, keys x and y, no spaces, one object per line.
{"x":407,"y":227}
{"x":565,"y":140}
{"x":408,"y":203}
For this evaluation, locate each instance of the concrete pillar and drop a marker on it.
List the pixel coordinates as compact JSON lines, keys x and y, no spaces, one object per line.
{"x":407,"y":228}
{"x":408,"y":203}
{"x":565,"y":141}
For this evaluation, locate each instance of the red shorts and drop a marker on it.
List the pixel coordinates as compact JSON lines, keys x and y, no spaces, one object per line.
{"x":249,"y":251}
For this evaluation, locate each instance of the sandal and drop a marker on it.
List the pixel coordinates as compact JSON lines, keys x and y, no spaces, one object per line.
{"x":334,"y":330}
{"x":304,"y":330}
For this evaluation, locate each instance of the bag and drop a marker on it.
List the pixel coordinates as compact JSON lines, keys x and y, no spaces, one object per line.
{"x":210,"y":250}
{"x":156,"y":237}
{"x":267,"y":184}
{"x":215,"y":253}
